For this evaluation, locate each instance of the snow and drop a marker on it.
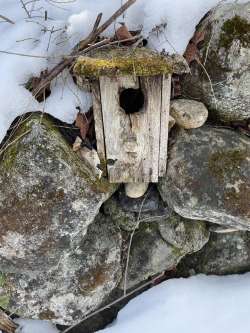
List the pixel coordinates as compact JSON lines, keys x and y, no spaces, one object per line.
{"x":35,"y":326}
{"x":198,"y":304}
{"x":71,"y":21}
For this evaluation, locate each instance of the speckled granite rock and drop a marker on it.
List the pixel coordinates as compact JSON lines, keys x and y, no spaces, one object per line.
{"x":223,"y":254}
{"x":48,"y":200}
{"x":225,"y":54}
{"x":208,"y":176}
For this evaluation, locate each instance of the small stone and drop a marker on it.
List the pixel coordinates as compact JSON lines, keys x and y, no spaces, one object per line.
{"x":135,"y":190}
{"x":188,"y":113}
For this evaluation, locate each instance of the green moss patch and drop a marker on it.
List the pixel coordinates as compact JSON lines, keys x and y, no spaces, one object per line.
{"x":223,"y":162}
{"x":237,"y":28}
{"x":125,"y":61}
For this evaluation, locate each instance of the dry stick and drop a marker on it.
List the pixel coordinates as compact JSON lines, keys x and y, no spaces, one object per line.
{"x":6,"y":323}
{"x":7,"y":19}
{"x":25,"y":8}
{"x":11,"y":143}
{"x":115,"y":302}
{"x":130,"y":244}
{"x":210,"y":82}
{"x":92,"y":36}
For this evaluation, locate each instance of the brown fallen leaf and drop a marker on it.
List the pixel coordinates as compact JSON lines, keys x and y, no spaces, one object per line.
{"x":123,"y":33}
{"x":82,"y":123}
{"x":192,"y":51}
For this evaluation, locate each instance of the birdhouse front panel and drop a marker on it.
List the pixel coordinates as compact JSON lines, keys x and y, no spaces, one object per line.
{"x":132,"y":130}
{"x":131,"y":96}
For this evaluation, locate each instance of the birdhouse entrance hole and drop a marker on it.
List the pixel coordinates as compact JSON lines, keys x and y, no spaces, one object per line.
{"x":131,"y":100}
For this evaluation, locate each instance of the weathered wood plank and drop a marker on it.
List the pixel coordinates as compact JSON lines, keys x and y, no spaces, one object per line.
{"x":165,"y":105}
{"x":132,"y":141}
{"x":97,"y":108}
{"x":151,"y":87}
{"x":125,"y":148}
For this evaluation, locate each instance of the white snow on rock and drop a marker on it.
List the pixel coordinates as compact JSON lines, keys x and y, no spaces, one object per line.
{"x":68,"y":22}
{"x":35,"y":326}
{"x":200,"y":304}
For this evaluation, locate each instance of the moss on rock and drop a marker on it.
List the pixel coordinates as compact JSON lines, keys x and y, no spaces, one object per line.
{"x":235,"y":28}
{"x":222,"y":162}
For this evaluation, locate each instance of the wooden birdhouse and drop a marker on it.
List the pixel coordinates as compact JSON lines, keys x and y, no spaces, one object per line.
{"x":131,"y":97}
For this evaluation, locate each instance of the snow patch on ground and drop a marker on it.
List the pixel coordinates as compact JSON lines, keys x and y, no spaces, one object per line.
{"x":200,"y":304}
{"x":35,"y":326}
{"x":68,"y":22}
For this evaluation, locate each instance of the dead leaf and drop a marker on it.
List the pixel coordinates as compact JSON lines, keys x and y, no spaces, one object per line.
{"x":192,"y":51}
{"x":122,"y":34}
{"x":82,"y":123}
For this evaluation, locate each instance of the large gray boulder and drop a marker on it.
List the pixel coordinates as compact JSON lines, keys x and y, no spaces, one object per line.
{"x":208,"y":176}
{"x":48,"y":201}
{"x":226,"y":253}
{"x":225,"y":54}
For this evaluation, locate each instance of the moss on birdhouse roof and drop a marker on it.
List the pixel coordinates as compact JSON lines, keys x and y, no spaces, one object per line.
{"x":125,"y":61}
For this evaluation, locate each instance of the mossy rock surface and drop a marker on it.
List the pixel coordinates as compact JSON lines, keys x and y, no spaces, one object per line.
{"x":223,"y":86}
{"x":208,"y":176}
{"x":128,"y":61}
{"x":48,"y":201}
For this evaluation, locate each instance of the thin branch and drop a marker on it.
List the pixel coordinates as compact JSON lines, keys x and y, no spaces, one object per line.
{"x":115,"y":302}
{"x":25,"y":8}
{"x":28,"y":55}
{"x":118,"y":13}
{"x":81,"y":46}
{"x":130,"y":243}
{"x":7,"y":19}
{"x":12,"y":142}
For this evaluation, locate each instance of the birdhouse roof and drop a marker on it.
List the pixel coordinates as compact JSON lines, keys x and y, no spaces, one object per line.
{"x":128,"y":61}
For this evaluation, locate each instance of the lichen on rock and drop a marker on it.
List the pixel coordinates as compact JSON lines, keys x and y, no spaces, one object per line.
{"x":208,"y":176}
{"x":48,"y":201}
{"x":225,"y":52}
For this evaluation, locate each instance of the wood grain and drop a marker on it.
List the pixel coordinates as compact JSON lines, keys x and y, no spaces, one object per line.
{"x":165,"y":105}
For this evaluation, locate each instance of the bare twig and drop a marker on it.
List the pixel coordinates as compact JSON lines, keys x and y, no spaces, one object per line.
{"x":130,"y":243}
{"x":12,"y":142}
{"x":146,"y":284}
{"x":210,"y":82}
{"x":25,"y":8}
{"x":27,"y":55}
{"x":6,"y":323}
{"x":81,"y":46}
{"x":7,"y":19}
